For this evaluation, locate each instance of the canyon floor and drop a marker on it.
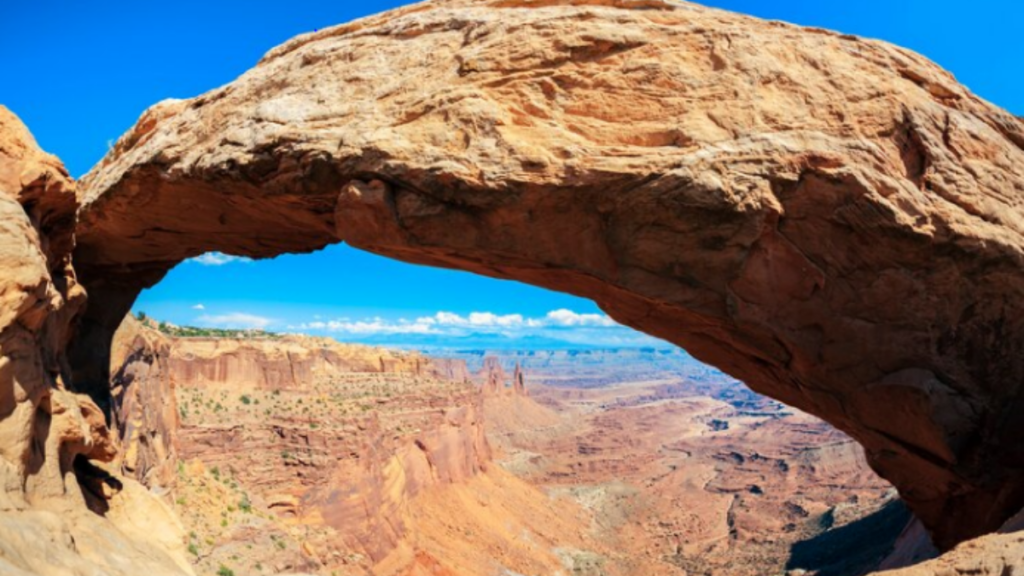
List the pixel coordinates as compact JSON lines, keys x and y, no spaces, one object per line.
{"x":686,"y":472}
{"x":291,"y":454}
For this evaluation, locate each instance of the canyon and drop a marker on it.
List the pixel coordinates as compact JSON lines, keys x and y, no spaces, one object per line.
{"x":833,"y":221}
{"x":293,"y":453}
{"x":689,"y":473}
{"x":288,"y":453}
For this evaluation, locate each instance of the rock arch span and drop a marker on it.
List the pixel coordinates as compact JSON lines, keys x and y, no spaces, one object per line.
{"x":833,"y":220}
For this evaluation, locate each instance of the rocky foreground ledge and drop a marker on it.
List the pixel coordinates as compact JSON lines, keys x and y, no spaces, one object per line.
{"x":833,"y":220}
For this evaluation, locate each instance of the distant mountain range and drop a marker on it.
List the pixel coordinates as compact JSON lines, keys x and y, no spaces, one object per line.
{"x":491,"y":341}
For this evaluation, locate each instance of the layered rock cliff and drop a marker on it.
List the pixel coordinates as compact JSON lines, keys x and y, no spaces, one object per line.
{"x":291,"y":362}
{"x":148,"y":367}
{"x":145,"y":409}
{"x":338,"y":439}
{"x":833,"y":220}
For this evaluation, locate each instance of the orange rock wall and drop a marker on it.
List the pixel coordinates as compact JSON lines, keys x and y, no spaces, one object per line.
{"x":833,"y":220}
{"x":356,"y":478}
{"x":292,"y":362}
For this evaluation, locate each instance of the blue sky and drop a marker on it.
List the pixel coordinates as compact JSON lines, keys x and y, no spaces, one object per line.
{"x":80,"y":73}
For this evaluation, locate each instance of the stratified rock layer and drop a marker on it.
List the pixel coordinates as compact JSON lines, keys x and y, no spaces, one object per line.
{"x":144,"y":411}
{"x":339,"y":438}
{"x":833,"y":220}
{"x":60,"y":512}
{"x":291,"y":362}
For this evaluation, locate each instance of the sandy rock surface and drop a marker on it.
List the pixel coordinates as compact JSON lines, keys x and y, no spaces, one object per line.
{"x":52,"y":438}
{"x":833,"y":220}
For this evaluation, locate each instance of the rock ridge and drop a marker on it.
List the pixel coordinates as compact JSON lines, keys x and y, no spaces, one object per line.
{"x":833,"y":220}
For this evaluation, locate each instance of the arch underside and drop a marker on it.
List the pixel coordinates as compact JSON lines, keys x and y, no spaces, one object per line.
{"x":833,"y":221}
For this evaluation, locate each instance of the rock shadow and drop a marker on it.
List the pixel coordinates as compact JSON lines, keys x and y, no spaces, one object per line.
{"x":852,"y":549}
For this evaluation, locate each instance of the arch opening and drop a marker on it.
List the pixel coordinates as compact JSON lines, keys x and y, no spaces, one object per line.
{"x":856,"y":255}
{"x":606,"y":426}
{"x":369,"y":217}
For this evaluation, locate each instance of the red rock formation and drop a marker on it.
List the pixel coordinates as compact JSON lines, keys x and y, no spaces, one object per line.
{"x":146,"y":367}
{"x":54,"y":441}
{"x":453,"y":369}
{"x":426,"y":565}
{"x":382,"y":478}
{"x":293,"y":361}
{"x":353,"y":475}
{"x":519,"y":382}
{"x":492,"y":370}
{"x":145,"y":410}
{"x":355,"y":478}
{"x":494,"y":377}
{"x":833,"y":220}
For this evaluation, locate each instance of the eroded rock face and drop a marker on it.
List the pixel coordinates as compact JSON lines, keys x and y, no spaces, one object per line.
{"x":144,"y":410}
{"x":495,"y":380}
{"x":60,"y":512}
{"x":833,"y":220}
{"x":339,"y":438}
{"x":992,"y":555}
{"x":43,"y":425}
{"x":291,"y":362}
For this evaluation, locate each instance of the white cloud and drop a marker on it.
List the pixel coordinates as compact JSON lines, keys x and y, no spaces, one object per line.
{"x":199,"y":307}
{"x":564,"y":317}
{"x":218,"y":259}
{"x":475,"y":319}
{"x":562,"y":324}
{"x":234,"y":320}
{"x":368,"y":327}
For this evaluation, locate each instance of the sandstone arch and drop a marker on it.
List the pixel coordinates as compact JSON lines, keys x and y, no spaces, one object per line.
{"x":833,"y":220}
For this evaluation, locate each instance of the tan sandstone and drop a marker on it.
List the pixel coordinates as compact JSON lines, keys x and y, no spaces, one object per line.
{"x":61,"y":513}
{"x":833,"y":220}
